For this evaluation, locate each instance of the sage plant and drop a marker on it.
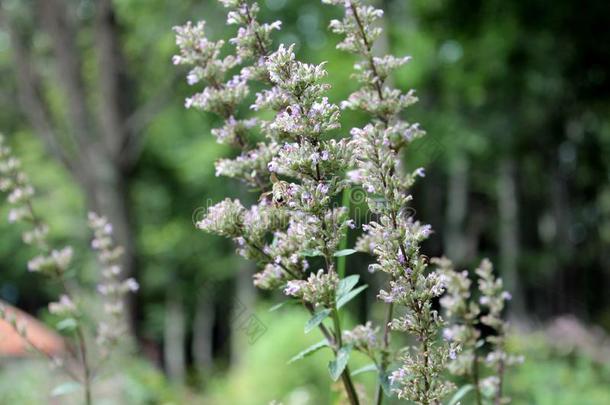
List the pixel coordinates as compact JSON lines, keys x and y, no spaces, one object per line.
{"x":394,"y":237}
{"x":295,"y":229}
{"x":466,"y":314}
{"x":81,"y":364}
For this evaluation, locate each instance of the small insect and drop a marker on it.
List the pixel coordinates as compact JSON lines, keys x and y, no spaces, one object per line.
{"x":425,"y":259}
{"x":279,"y":193}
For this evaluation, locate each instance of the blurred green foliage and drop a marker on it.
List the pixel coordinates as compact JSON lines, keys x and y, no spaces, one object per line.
{"x":547,"y":377}
{"x":524,"y":80}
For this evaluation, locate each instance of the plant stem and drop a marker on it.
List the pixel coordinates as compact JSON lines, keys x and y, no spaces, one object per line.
{"x":498,"y":399}
{"x":342,"y":260}
{"x":85,"y":363}
{"x":384,"y":351}
{"x":86,"y":380}
{"x":345,"y":376}
{"x":475,"y":377}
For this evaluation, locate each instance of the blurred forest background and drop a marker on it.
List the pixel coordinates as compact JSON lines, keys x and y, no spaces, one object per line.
{"x":515,"y":98}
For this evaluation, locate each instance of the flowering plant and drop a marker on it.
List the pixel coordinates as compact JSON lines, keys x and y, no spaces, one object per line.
{"x":300,"y":172}
{"x":83,"y":364}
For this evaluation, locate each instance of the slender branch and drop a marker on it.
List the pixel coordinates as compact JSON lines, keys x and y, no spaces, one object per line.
{"x":82,"y":344}
{"x":475,"y":377}
{"x":56,"y":23}
{"x":342,"y":260}
{"x":51,"y":359}
{"x":85,"y":364}
{"x":378,"y":83}
{"x":28,"y":87}
{"x":352,"y":395}
{"x":113,"y":81}
{"x":378,"y":80}
{"x":498,"y":398}
{"x":385,"y":345}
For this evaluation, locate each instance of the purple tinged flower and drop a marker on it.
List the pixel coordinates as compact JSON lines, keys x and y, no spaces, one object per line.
{"x":322,"y":188}
{"x":401,"y":257}
{"x":276,"y":25}
{"x":15,"y":215}
{"x":420,"y":172}
{"x":306,"y":197}
{"x":355,"y":176}
{"x":397,"y":375}
{"x":355,"y":132}
{"x":192,"y":79}
{"x":293,"y":287}
{"x":426,"y":230}
{"x":272,"y":166}
{"x":131,"y":285}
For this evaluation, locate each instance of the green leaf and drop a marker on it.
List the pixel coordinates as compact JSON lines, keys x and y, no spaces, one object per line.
{"x":278,"y":306}
{"x":336,"y":366}
{"x":460,"y":394}
{"x":365,"y":369}
{"x":341,"y":301}
{"x":384,"y":381}
{"x":346,"y":284}
{"x":310,"y":252}
{"x":310,"y":350}
{"x":344,"y":252}
{"x":316,"y":319}
{"x":65,"y":388}
{"x":68,"y":324}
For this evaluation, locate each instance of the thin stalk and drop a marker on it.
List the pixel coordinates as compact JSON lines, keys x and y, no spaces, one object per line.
{"x":475,"y":377}
{"x":341,"y":261}
{"x":85,"y":363}
{"x":352,"y":395}
{"x":498,"y":398}
{"x":82,"y":344}
{"x":51,"y":359}
{"x":336,"y":345}
{"x":384,"y":350}
{"x":378,"y":84}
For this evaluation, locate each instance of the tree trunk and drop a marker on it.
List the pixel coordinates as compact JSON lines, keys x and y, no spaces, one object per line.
{"x":203,"y":331}
{"x":457,"y":203}
{"x":95,"y":147}
{"x":509,"y":234}
{"x":561,"y":213}
{"x":174,"y":336}
{"x":242,"y":311}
